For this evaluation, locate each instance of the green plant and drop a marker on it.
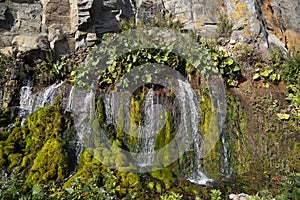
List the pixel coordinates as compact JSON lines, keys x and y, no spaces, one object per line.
{"x":48,"y":70}
{"x":224,"y":27}
{"x":6,"y":62}
{"x":292,"y":188}
{"x":119,"y":65}
{"x":267,"y":74}
{"x":171,"y":196}
{"x":216,"y":194}
{"x":226,"y":66}
{"x":247,"y":57}
{"x":37,"y":192}
{"x":291,"y":75}
{"x":11,"y":190}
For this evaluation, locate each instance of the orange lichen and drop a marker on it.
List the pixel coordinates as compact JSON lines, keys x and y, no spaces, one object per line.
{"x":272,"y":21}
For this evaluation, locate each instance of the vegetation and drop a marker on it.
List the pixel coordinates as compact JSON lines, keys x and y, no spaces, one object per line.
{"x":261,"y":133}
{"x":224,"y":28}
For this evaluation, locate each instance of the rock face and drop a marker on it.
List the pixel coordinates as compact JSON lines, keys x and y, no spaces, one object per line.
{"x":60,"y":25}
{"x":66,"y":25}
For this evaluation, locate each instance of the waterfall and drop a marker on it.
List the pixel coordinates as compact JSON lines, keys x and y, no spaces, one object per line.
{"x":81,"y":104}
{"x":190,"y":127}
{"x":225,"y":155}
{"x":117,"y":110}
{"x":29,"y":102}
{"x":109,"y":107}
{"x":70,"y":100}
{"x":25,"y":100}
{"x":149,"y":130}
{"x":45,"y":97}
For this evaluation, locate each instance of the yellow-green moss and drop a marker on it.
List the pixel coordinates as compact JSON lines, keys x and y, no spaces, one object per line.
{"x":165,"y":175}
{"x":36,"y":150}
{"x":49,"y":165}
{"x":166,"y":134}
{"x":135,"y":122}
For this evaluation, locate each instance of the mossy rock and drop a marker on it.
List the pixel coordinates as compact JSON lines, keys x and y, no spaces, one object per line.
{"x":134,"y":181}
{"x":13,"y":159}
{"x":36,"y":150}
{"x":49,"y":165}
{"x":88,"y":167}
{"x":4,"y":135}
{"x":166,"y":176}
{"x":6,"y":117}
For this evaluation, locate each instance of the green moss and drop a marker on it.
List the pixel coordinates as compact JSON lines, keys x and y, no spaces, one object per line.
{"x":4,"y":135}
{"x":35,"y":151}
{"x":49,"y":165}
{"x":240,"y":157}
{"x":3,"y":159}
{"x":88,"y":167}
{"x":166,"y":134}
{"x":120,"y":122}
{"x":134,"y":181}
{"x":165,"y":175}
{"x":135,"y":123}
{"x":151,"y":185}
{"x":100,"y":109}
{"x":13,"y":159}
{"x":158,"y":188}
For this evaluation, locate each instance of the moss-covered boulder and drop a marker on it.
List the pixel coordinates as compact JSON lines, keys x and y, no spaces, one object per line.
{"x":36,"y":152}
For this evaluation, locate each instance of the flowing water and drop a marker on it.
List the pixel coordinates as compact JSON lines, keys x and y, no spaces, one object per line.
{"x":30,"y":102}
{"x":190,"y":127}
{"x":80,"y":103}
{"x":153,"y":122}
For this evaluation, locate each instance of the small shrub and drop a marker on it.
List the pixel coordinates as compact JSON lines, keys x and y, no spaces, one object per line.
{"x":216,"y":195}
{"x":171,"y":196}
{"x":224,"y":28}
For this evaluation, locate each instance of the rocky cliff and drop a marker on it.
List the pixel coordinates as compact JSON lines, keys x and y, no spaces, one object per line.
{"x":66,"y":25}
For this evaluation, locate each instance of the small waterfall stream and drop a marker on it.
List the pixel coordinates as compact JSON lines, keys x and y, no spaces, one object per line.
{"x":190,"y":127}
{"x":153,"y":122}
{"x":148,"y":132}
{"x":25,"y":100}
{"x":29,"y":102}
{"x":81,"y":104}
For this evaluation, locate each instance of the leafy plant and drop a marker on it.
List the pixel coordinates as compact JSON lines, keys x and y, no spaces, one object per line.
{"x":247,"y":57}
{"x":291,"y":75}
{"x":171,"y":196}
{"x":11,"y":190}
{"x":119,"y":65}
{"x":292,"y":188}
{"x":267,"y":74}
{"x":226,"y":66}
{"x":48,"y":70}
{"x":216,"y":194}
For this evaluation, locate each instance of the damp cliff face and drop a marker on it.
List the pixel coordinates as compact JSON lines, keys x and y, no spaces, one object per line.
{"x":67,"y":25}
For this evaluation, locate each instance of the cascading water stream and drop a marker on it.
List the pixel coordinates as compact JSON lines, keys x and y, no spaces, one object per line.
{"x":115,"y":103}
{"x":29,"y":102}
{"x":25,"y":100}
{"x":82,"y":110}
{"x":152,"y":124}
{"x":190,"y":127}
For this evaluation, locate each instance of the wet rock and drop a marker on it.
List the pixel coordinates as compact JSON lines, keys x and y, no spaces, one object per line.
{"x":10,"y":89}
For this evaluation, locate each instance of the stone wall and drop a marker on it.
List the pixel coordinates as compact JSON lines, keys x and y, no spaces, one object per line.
{"x":66,"y":25}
